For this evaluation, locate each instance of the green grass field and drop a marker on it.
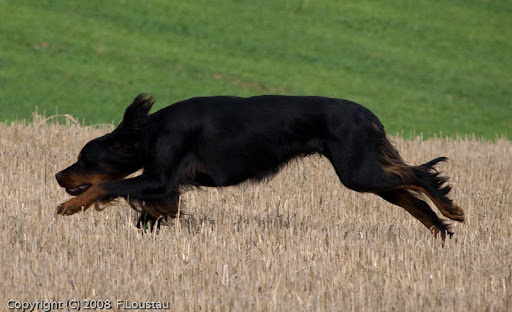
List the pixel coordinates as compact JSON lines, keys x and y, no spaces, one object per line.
{"x":423,"y":66}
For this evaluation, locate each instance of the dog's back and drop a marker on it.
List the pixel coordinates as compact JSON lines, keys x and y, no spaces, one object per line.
{"x":234,"y":139}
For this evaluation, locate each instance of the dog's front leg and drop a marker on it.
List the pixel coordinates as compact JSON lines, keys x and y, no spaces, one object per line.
{"x":82,"y":201}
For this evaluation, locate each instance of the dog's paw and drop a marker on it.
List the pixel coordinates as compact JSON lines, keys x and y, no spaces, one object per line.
{"x":70,"y":207}
{"x":453,"y":212}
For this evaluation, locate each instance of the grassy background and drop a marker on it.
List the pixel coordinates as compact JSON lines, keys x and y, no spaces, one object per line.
{"x":426,"y":66}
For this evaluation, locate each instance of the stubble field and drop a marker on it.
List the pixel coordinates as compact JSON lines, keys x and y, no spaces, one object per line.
{"x":298,"y":242}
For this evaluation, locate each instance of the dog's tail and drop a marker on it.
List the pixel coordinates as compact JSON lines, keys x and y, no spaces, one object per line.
{"x":439,"y":182}
{"x":391,"y":160}
{"x":393,"y":163}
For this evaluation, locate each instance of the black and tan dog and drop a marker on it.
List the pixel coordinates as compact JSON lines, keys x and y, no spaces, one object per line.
{"x":221,"y":141}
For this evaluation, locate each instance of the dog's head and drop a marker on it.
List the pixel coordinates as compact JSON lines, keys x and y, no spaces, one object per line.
{"x":112,"y":156}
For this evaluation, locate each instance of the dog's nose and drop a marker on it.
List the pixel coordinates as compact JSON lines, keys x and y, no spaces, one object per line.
{"x":58,"y":176}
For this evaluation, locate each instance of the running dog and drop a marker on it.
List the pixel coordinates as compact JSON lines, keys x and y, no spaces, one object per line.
{"x":223,"y":140}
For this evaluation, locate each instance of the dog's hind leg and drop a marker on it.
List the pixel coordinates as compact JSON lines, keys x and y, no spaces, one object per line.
{"x":360,"y":168}
{"x":375,"y":166}
{"x":418,"y":209}
{"x":424,"y":178}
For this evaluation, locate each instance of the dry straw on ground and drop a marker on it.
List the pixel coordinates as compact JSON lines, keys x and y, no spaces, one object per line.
{"x":300,"y":242}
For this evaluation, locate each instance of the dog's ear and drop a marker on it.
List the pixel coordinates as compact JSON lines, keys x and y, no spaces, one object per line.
{"x":135,"y":114}
{"x":130,"y":130}
{"x":139,"y":108}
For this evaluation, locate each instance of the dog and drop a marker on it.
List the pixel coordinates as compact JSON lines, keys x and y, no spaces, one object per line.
{"x":225,"y":140}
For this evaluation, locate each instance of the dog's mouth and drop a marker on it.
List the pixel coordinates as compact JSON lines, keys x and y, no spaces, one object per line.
{"x":78,"y":190}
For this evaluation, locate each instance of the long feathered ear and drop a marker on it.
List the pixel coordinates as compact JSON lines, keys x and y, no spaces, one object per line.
{"x":130,"y":129}
{"x":139,"y":108}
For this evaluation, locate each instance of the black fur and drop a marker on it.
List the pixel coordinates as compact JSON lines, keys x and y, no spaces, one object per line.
{"x":222,"y":141}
